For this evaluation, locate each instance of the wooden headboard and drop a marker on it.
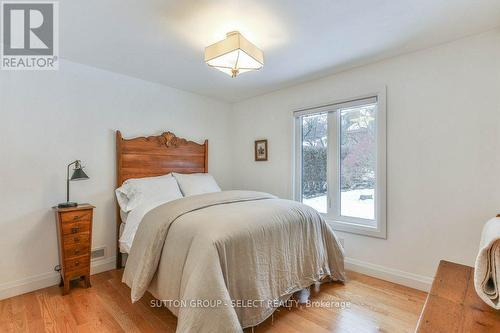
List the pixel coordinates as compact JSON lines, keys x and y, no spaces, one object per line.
{"x":155,"y":156}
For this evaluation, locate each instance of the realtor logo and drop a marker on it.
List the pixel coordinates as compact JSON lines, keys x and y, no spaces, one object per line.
{"x":29,"y":35}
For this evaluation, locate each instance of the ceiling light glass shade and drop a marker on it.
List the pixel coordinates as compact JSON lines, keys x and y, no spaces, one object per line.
{"x":234,"y":55}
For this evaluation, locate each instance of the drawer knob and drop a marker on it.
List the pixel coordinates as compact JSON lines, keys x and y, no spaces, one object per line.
{"x":75,"y":230}
{"x":77,"y":251}
{"x":77,"y":263}
{"x":77,"y":239}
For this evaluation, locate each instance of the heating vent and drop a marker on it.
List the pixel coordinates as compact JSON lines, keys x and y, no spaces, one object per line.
{"x":98,"y":253}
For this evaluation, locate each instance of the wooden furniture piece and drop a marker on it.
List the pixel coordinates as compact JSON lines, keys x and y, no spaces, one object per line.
{"x":453,"y":305}
{"x":155,"y":156}
{"x":74,"y":231}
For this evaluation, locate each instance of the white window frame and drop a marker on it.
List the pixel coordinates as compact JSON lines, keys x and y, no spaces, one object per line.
{"x":338,"y":222}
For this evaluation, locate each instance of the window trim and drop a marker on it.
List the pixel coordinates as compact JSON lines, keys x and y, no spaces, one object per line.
{"x":347,"y":224}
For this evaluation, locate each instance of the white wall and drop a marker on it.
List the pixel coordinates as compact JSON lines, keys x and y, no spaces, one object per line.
{"x":48,"y":119}
{"x":443,"y":151}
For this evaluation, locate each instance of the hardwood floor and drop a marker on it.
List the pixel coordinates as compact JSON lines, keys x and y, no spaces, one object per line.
{"x":376,"y":306}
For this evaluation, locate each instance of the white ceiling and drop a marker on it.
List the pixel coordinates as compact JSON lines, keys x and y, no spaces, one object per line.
{"x":163,"y":40}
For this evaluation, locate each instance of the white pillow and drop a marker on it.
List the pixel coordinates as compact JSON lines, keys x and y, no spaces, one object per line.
{"x":196,"y":183}
{"x":134,"y":192}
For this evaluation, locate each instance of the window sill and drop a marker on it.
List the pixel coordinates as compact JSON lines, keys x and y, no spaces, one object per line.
{"x":357,"y":229}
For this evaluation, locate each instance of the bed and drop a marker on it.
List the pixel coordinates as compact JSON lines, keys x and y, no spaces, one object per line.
{"x":220,"y":261}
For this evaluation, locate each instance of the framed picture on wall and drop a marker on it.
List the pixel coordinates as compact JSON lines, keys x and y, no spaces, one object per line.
{"x":261,"y":150}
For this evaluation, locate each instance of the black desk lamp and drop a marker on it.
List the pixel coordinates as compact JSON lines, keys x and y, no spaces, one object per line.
{"x":78,"y":174}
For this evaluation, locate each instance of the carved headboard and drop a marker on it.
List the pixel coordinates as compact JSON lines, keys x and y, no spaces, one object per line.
{"x":154,"y":156}
{"x":158,"y":155}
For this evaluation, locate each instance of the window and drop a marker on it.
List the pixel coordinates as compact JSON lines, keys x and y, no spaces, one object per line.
{"x":340,"y":163}
{"x":314,"y":165}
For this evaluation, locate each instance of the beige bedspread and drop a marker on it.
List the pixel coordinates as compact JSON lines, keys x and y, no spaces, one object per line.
{"x":225,"y":257}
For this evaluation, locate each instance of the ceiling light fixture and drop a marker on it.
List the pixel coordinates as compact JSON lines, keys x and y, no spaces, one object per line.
{"x":234,"y":55}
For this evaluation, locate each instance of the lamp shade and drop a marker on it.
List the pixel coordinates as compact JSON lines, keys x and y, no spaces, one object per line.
{"x":78,"y":173}
{"x":234,"y":55}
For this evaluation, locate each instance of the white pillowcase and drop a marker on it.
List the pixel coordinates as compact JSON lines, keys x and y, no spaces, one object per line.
{"x":134,"y":192}
{"x":196,"y":183}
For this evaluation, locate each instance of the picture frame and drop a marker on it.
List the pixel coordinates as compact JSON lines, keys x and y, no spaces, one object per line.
{"x":261,"y":150}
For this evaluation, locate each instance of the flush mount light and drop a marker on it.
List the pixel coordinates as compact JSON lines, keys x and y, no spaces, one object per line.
{"x":234,"y":55}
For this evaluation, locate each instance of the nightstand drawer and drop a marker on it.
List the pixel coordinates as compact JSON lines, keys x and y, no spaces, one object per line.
{"x":79,"y":263}
{"x":75,"y":216}
{"x":74,"y":232}
{"x":71,"y":228}
{"x":76,"y":250}
{"x":76,"y":273}
{"x":79,"y":238}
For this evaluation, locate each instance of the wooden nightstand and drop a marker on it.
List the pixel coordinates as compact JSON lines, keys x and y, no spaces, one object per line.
{"x":74,"y":233}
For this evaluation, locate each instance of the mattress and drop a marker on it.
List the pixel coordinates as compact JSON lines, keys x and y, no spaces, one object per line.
{"x":123,"y":216}
{"x":133,"y":219}
{"x":123,"y":248}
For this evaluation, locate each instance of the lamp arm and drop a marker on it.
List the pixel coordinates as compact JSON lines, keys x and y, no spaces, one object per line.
{"x":67,"y":180}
